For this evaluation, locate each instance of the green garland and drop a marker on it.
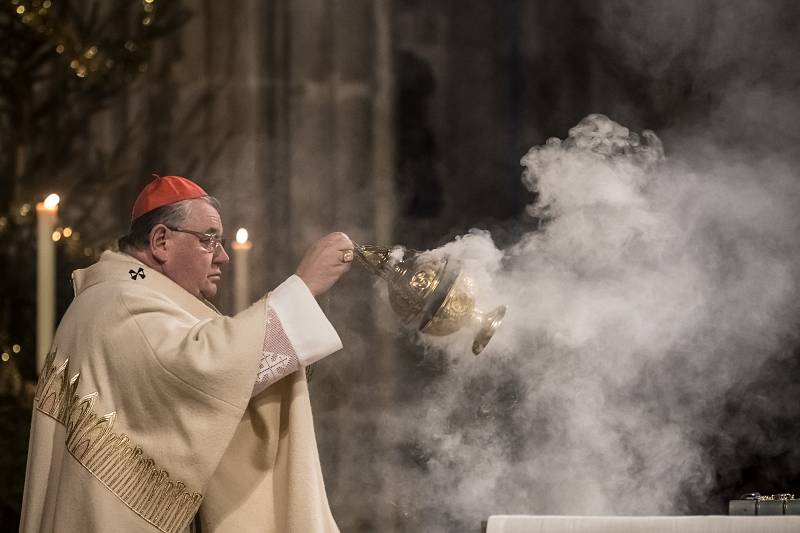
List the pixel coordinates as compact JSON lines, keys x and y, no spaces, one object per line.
{"x":86,"y":55}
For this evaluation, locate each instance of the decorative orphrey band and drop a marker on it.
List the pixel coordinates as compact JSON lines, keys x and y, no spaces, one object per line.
{"x":110,"y":457}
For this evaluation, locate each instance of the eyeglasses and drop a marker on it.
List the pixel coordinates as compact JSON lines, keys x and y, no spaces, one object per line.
{"x":208,"y":241}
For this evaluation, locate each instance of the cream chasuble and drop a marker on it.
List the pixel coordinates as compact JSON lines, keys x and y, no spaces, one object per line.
{"x":143,"y":416}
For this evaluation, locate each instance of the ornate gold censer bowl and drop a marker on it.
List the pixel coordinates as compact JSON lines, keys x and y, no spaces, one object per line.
{"x":429,"y":292}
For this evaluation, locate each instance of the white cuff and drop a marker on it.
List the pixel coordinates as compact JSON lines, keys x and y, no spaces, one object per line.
{"x":304,"y":323}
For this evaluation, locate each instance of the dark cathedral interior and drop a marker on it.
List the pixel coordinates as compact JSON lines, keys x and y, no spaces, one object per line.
{"x":421,"y":123}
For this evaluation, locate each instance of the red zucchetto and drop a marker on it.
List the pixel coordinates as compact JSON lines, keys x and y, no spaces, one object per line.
{"x":165,"y":190}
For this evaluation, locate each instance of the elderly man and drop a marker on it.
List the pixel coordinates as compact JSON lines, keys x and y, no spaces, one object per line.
{"x":154,"y":412}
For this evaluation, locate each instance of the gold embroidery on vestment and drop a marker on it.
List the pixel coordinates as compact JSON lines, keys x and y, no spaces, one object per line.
{"x":110,"y":457}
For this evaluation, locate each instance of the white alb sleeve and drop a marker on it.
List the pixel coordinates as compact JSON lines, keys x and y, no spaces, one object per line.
{"x":297,"y":333}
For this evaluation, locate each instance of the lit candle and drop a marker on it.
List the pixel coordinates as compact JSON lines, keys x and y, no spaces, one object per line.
{"x":241,"y":273}
{"x":46,"y":213}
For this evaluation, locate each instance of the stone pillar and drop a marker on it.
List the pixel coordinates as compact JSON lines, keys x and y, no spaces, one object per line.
{"x":383,"y":125}
{"x":311,"y":171}
{"x":384,"y":213}
{"x":340,"y":166}
{"x":358,"y":366}
{"x":280,"y":255}
{"x":233,"y":64}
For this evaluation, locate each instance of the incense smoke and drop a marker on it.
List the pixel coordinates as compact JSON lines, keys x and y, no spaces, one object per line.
{"x":650,"y":291}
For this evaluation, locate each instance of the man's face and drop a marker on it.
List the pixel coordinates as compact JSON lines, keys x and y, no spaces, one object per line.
{"x":187,"y":263}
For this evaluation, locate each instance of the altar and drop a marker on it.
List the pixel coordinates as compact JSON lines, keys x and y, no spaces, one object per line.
{"x":641,"y":524}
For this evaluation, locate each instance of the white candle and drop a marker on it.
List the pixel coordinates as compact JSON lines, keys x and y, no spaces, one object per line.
{"x":241,"y":272}
{"x":46,"y":213}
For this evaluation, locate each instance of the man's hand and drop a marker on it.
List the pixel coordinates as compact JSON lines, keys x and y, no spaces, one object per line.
{"x":325,"y":262}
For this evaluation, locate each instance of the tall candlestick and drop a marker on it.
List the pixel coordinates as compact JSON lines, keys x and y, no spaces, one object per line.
{"x":46,"y":213}
{"x":241,"y":272}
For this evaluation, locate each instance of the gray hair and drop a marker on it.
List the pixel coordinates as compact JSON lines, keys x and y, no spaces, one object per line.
{"x":172,"y":215}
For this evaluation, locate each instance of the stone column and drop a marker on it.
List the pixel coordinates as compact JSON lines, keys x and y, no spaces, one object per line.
{"x":234,"y":74}
{"x":340,"y":178}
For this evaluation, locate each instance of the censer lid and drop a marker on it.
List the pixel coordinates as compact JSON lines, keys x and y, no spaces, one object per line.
{"x":448,"y":274}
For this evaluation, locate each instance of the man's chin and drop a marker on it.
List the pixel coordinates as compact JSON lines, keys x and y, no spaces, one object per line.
{"x":210,"y":290}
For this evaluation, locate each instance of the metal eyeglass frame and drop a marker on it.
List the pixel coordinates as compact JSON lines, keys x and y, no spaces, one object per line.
{"x":206,"y":240}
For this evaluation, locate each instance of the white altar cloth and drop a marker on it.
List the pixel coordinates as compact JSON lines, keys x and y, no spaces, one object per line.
{"x":642,"y":524}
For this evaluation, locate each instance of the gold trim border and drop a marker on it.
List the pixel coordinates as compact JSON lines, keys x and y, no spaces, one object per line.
{"x":118,"y":464}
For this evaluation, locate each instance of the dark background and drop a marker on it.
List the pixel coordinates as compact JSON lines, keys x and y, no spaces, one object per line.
{"x":699,"y":74}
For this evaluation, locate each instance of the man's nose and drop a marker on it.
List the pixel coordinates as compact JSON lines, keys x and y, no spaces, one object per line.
{"x":221,"y":256}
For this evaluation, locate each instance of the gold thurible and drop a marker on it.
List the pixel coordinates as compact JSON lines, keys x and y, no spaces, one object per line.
{"x":429,"y":292}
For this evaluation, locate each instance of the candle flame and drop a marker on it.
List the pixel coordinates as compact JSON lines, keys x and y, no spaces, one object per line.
{"x":241,"y":235}
{"x":51,"y":202}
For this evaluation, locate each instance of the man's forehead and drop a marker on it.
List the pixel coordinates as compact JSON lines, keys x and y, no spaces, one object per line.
{"x":203,"y":217}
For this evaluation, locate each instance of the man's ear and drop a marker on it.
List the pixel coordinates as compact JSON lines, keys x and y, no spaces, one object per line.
{"x":158,"y":242}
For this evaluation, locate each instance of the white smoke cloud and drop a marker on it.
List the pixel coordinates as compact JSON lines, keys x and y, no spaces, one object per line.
{"x":649,"y":292}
